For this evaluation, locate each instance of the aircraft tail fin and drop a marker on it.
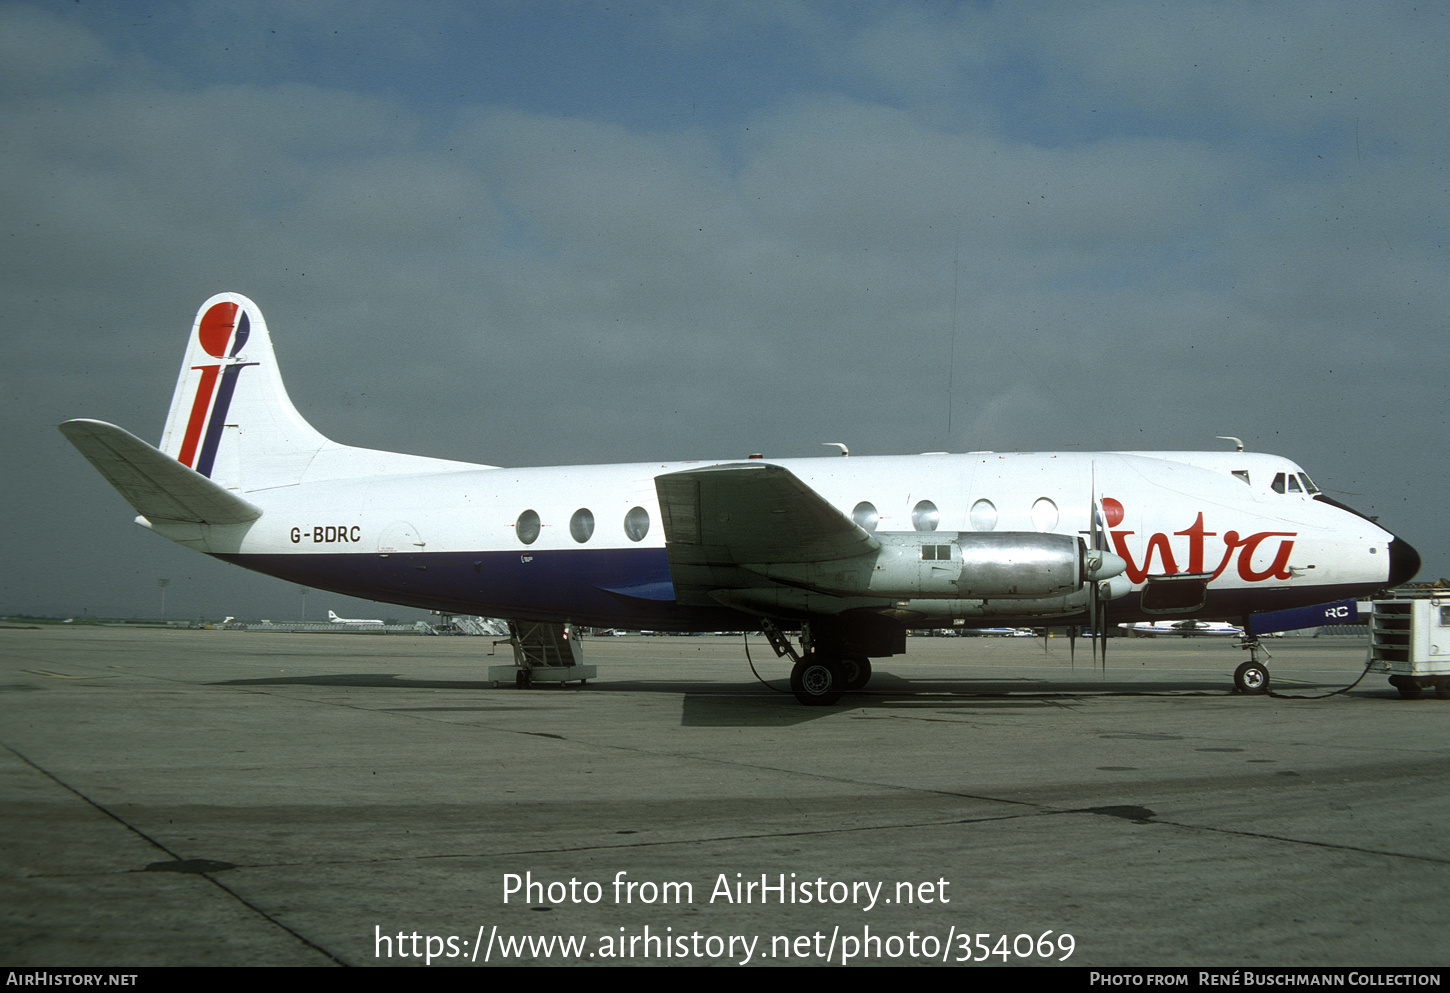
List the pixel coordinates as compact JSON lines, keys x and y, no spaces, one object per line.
{"x":231,"y":429}
{"x":231,"y":419}
{"x":159,"y":487}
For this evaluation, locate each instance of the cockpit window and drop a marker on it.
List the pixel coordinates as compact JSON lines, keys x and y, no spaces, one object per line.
{"x":1293,"y":482}
{"x":1242,"y":474}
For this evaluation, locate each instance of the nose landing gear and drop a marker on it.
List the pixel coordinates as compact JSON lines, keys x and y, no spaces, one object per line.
{"x":1251,"y":676}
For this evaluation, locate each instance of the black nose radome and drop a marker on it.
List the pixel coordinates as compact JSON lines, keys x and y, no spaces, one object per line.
{"x":1404,"y":562}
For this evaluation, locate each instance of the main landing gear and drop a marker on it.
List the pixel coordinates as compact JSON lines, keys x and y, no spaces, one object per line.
{"x":817,"y":682}
{"x":818,"y":679}
{"x":857,"y":672}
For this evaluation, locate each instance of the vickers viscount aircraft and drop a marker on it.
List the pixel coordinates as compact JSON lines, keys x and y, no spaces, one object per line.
{"x":850,"y":552}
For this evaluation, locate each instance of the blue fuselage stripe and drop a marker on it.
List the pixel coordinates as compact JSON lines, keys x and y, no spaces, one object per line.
{"x":608,"y":588}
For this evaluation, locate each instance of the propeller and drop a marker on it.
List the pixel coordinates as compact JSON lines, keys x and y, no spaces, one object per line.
{"x":1097,"y":611}
{"x":1103,"y":573}
{"x":1100,"y":567}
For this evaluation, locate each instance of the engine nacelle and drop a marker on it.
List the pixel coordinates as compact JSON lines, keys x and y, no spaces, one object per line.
{"x":957,"y":566}
{"x":977,"y":566}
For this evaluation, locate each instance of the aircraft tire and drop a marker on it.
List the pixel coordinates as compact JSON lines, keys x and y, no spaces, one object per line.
{"x":1251,"y":677}
{"x":817,"y":682}
{"x":1409,"y":687}
{"x":856,"y":673}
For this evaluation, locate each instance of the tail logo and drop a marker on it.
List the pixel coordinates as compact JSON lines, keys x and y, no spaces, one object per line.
{"x":223,"y":325}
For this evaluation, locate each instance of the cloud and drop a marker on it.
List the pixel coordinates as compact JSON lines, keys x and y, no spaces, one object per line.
{"x":840,"y":258}
{"x":41,"y":50}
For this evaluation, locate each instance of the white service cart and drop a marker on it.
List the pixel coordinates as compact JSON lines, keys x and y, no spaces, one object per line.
{"x":1409,"y":638}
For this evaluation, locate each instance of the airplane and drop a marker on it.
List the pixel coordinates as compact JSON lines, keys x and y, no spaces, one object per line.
{"x":356,"y":621}
{"x":1186,"y":629}
{"x":846,"y":552}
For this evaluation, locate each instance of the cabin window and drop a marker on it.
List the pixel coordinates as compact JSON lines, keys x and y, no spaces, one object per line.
{"x":925,"y":516}
{"x":636,"y":524}
{"x":1044,"y":515}
{"x":581,"y":525}
{"x":865,"y":516}
{"x":527,"y":527}
{"x":983,"y":515}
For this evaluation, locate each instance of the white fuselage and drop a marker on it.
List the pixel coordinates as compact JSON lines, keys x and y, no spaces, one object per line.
{"x":1164,"y":514}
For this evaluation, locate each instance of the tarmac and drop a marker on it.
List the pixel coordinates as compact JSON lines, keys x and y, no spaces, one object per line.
{"x":230,"y":798}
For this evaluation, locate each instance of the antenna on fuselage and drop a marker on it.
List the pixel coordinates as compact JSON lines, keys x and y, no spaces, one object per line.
{"x":836,"y":444}
{"x":1239,"y":445}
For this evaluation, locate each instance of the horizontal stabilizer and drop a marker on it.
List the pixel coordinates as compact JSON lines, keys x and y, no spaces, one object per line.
{"x":158,"y":486}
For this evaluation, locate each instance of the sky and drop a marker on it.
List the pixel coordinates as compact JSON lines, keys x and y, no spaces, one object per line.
{"x":523,"y":233}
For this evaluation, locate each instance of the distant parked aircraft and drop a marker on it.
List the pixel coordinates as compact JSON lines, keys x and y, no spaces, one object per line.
{"x":353,"y":620}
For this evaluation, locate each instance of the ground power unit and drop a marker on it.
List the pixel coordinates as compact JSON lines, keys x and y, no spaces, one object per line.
{"x":1410,"y":640}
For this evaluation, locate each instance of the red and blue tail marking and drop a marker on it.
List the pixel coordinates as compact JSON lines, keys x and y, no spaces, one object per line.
{"x":221,"y":332}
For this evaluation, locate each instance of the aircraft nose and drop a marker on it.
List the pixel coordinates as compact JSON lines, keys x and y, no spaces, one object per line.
{"x":1404,"y":562}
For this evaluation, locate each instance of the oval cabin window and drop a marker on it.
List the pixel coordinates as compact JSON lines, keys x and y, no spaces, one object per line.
{"x":581,"y":525}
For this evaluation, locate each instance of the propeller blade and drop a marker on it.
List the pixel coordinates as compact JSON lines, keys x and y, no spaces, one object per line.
{"x":1101,"y":622}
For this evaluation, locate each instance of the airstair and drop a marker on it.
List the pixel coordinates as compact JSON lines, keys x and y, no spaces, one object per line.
{"x":543,"y":653}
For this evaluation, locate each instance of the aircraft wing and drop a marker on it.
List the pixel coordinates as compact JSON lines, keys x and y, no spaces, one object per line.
{"x":750,"y":514}
{"x":158,"y":486}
